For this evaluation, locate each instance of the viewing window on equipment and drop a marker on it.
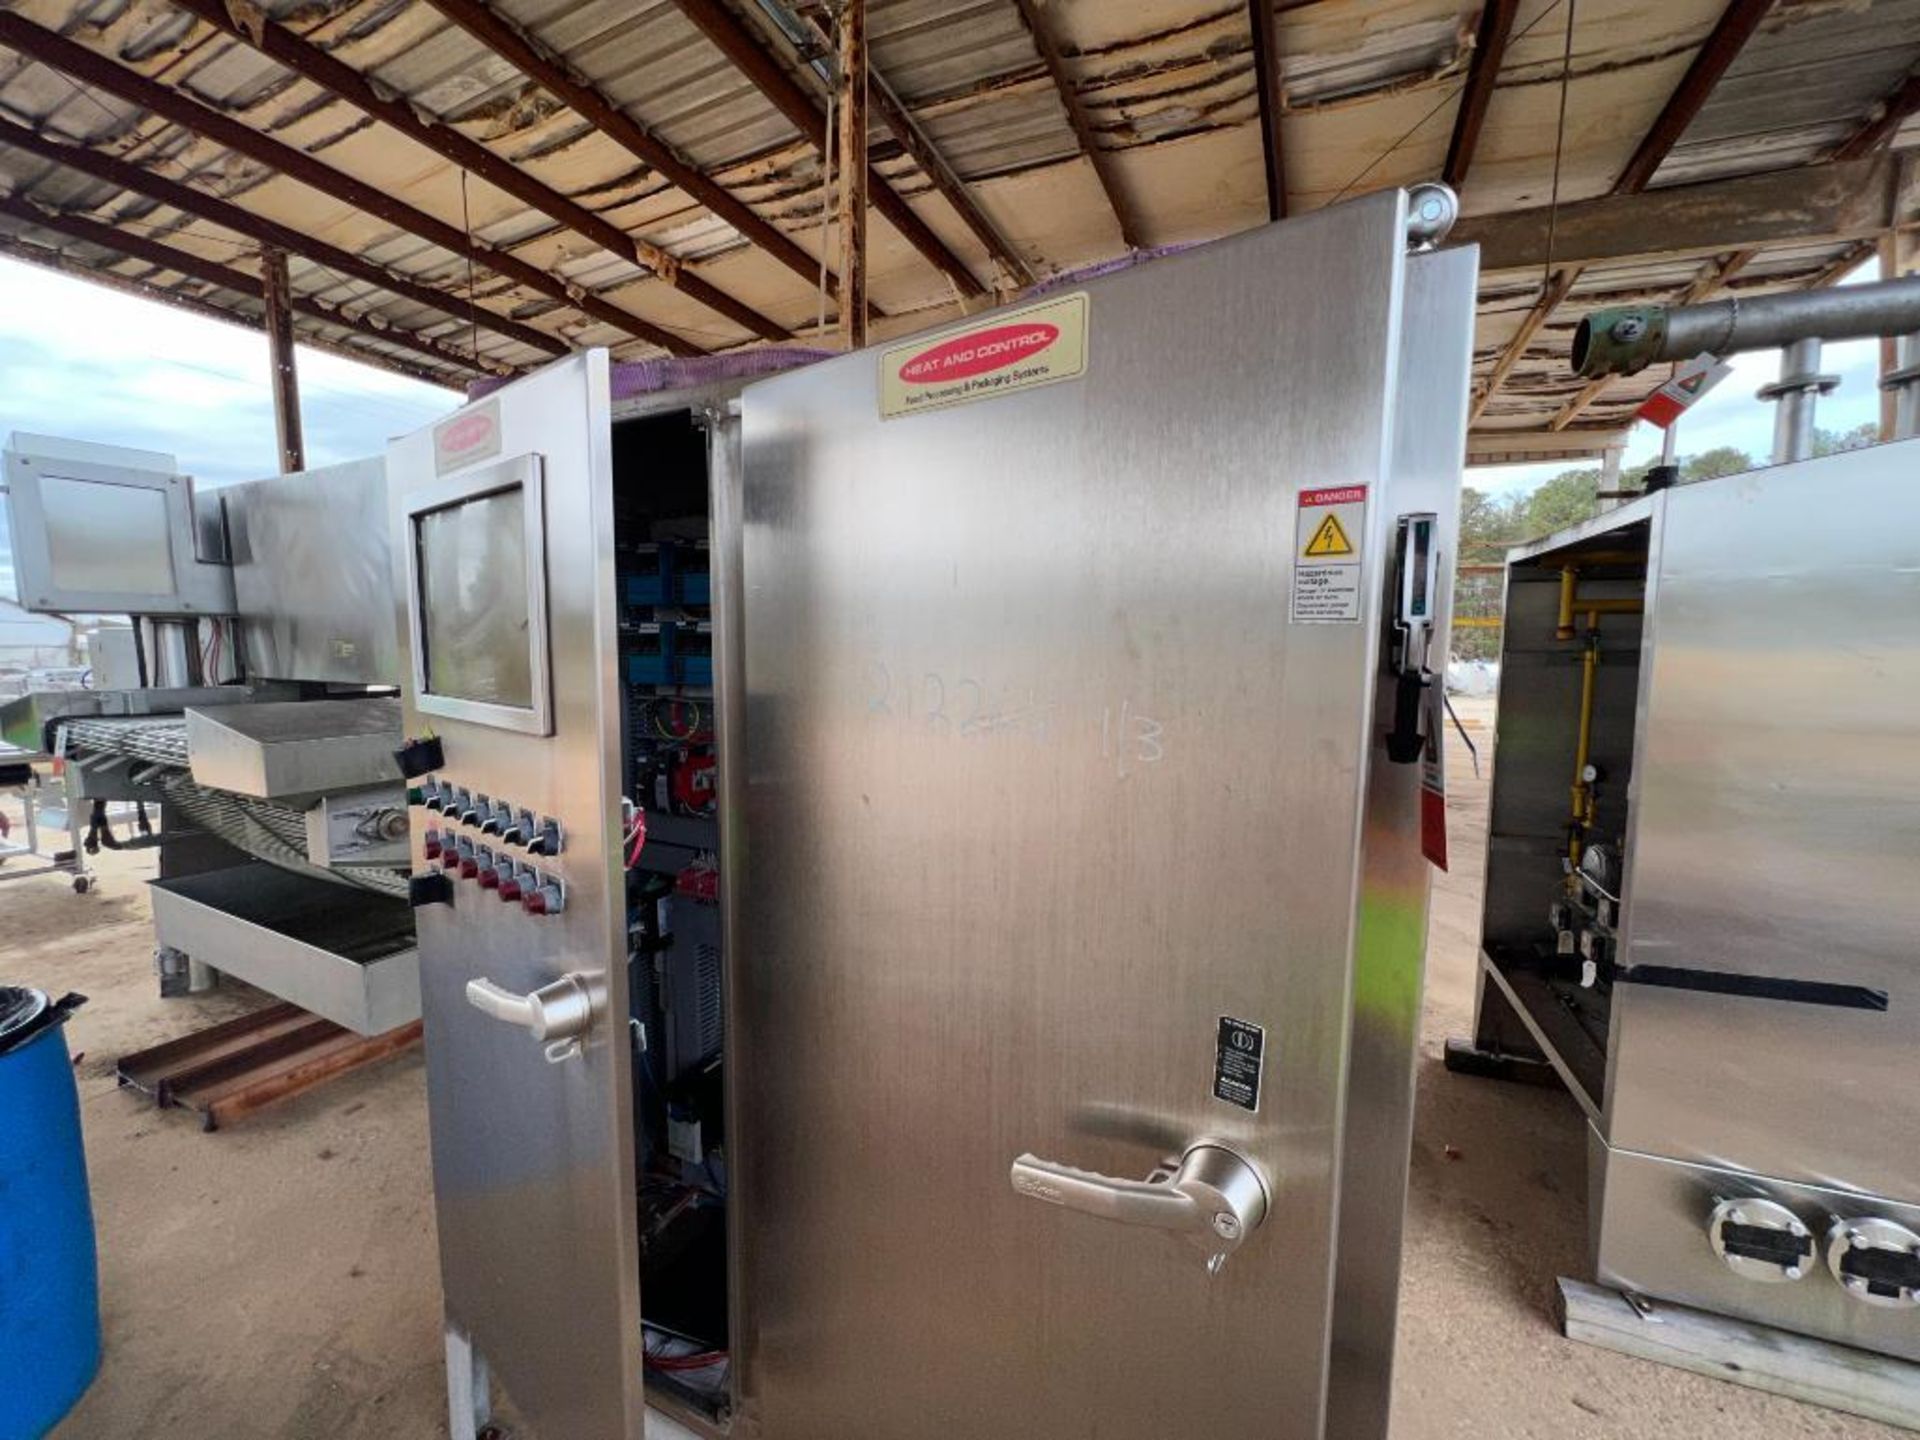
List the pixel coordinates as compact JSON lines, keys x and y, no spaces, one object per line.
{"x":475,"y":619}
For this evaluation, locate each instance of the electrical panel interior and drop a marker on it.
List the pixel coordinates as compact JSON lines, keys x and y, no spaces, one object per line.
{"x":669,"y":775}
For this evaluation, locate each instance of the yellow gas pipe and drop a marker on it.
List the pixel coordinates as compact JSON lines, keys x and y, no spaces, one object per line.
{"x":1584,"y":804}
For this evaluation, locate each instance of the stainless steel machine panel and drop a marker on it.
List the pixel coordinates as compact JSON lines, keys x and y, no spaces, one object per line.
{"x":1041,"y":784}
{"x":96,"y":531}
{"x":1429,"y":440}
{"x":1774,"y":824}
{"x":353,"y":963}
{"x":294,"y":748}
{"x":313,"y":574}
{"x":1647,"y":1238}
{"x":533,"y":1152}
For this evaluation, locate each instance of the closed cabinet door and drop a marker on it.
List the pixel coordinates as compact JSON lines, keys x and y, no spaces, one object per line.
{"x":1059,"y":639}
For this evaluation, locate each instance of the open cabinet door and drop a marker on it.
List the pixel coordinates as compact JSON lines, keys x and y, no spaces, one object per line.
{"x":504,"y":553}
{"x":1061,"y":635}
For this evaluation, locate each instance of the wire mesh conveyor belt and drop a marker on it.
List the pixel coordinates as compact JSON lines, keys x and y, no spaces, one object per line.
{"x":264,"y":830}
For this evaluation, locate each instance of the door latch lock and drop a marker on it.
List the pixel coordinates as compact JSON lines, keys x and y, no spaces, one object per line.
{"x":1213,"y":1196}
{"x":559,"y":1014}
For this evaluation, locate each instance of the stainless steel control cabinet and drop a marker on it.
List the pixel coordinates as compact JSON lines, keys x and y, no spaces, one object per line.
{"x":1063,"y":867}
{"x":1745,"y":1049}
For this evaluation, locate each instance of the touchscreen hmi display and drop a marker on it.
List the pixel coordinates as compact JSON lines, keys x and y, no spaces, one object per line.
{"x":475,"y":619}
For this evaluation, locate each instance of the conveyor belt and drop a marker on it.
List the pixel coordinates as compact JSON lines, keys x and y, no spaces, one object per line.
{"x":269,"y":832}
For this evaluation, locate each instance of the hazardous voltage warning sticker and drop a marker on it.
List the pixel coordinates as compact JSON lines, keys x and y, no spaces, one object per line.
{"x":1016,"y":350}
{"x":1328,"y":534}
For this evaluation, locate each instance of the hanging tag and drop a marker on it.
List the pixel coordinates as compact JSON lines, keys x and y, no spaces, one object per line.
{"x":1433,"y":777}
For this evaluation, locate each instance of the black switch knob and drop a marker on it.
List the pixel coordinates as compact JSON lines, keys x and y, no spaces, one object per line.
{"x":432,"y":888}
{"x":418,"y":757}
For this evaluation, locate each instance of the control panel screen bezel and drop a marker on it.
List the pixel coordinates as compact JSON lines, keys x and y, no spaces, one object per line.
{"x":524,"y":474}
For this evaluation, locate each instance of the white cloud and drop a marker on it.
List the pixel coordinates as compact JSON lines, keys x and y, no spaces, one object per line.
{"x":88,"y":363}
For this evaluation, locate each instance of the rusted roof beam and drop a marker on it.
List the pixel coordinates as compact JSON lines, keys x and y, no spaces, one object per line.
{"x":1893,"y":112}
{"x":60,"y":263}
{"x":91,"y":68}
{"x":721,"y":26}
{"x":1268,"y":83}
{"x":1556,"y":291}
{"x":1722,"y":47}
{"x":520,"y":50}
{"x":225,"y":277}
{"x":229,"y":216}
{"x":1082,"y":124}
{"x":910,"y":137}
{"x":852,"y":74}
{"x":338,"y":78}
{"x":1483,"y":74}
{"x":902,"y":126}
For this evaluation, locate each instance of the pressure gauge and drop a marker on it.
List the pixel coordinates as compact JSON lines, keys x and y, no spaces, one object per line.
{"x":1590,"y":773}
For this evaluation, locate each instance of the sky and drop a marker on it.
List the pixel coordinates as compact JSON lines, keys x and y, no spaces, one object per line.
{"x":87,"y":363}
{"x":84,"y":362}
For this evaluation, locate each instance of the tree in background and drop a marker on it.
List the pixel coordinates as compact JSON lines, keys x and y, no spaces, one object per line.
{"x":1490,"y":525}
{"x":1832,"y":442}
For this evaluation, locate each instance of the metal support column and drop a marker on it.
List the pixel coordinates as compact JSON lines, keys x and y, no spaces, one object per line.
{"x":1902,"y":385}
{"x":1798,"y":390}
{"x":853,"y":174}
{"x":278,"y":294}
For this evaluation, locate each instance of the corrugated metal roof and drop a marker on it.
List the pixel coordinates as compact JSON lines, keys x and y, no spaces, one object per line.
{"x":1371,"y":92}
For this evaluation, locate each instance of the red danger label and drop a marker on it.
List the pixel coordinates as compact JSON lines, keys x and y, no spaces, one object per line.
{"x":979,"y":353}
{"x":1343,"y":495}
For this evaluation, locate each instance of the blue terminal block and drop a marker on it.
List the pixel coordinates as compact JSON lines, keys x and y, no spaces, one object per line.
{"x":670,"y":661}
{"x":680,"y":577}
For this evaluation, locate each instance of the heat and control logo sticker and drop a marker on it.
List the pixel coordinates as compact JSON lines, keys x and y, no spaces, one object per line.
{"x":1017,"y":351}
{"x":470,"y":436}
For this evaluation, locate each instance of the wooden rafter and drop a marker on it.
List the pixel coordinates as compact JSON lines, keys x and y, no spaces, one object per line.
{"x":1269,"y":84}
{"x":1722,"y":47}
{"x":1082,"y":123}
{"x":748,"y":55}
{"x":164,"y":257}
{"x":176,"y":106}
{"x":138,"y":180}
{"x":853,"y":174}
{"x":342,"y":81}
{"x":1483,"y":74}
{"x":1888,"y":117}
{"x":550,"y":73}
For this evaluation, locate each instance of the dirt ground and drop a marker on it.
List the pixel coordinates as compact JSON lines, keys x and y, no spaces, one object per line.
{"x":280,"y":1278}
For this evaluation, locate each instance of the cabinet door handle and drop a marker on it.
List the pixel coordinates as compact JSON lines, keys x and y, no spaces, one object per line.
{"x":1212,"y":1195}
{"x":559,"y":1014}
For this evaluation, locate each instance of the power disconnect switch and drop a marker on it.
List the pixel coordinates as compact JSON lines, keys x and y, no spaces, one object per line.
{"x":419,"y":757}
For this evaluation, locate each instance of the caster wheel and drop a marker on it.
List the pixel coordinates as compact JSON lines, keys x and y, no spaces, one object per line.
{"x":82,"y":884}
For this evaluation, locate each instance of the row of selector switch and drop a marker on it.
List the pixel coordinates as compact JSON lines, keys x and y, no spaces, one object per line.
{"x":514,"y":825}
{"x":509,"y":879}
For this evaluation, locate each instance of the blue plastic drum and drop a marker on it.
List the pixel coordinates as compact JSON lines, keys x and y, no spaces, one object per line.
{"x":49,"y":1277}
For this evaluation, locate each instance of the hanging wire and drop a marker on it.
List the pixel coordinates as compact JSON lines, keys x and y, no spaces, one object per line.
{"x":827,"y":207}
{"x":473,"y":308}
{"x":1439,"y":105}
{"x":1560,"y":139}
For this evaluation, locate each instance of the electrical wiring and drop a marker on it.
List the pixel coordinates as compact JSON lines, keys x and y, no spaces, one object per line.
{"x":693,"y":729}
{"x":636,"y":836}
